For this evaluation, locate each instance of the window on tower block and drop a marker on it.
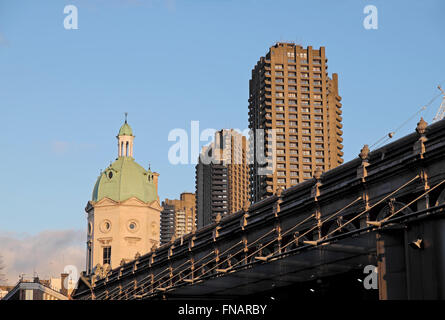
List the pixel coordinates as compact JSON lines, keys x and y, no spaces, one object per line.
{"x":107,"y":255}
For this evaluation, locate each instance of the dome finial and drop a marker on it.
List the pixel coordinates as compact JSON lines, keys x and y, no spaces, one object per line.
{"x":126,"y":114}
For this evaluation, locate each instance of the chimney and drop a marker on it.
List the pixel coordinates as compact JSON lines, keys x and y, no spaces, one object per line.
{"x":155,"y":180}
{"x":64,"y":280}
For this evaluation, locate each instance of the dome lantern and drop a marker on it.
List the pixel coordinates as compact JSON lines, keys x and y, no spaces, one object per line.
{"x":125,"y":140}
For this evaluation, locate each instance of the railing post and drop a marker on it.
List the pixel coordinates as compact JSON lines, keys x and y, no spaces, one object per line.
{"x":170,"y":281}
{"x":246,"y":249}
{"x":419,"y":150}
{"x":362,"y":174}
{"x":315,"y":193}
{"x":277,"y":209}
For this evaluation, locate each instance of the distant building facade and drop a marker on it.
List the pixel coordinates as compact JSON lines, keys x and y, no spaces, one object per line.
{"x":124,"y":212}
{"x":167,"y":222}
{"x":178,"y":217}
{"x":36,"y":289}
{"x":292,"y":97}
{"x":222,"y":177}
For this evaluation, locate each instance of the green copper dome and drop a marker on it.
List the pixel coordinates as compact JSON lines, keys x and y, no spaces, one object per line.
{"x":125,"y":130}
{"x":125,"y":179}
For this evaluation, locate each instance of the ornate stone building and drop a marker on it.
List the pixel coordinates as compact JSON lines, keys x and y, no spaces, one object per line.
{"x":124,"y":211}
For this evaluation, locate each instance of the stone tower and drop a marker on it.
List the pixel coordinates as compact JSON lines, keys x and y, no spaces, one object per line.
{"x":124,"y":211}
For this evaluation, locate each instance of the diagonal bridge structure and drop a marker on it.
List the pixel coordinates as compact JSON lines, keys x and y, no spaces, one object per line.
{"x":383,"y":209}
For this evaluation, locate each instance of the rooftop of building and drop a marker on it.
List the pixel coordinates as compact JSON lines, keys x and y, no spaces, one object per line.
{"x":33,"y":283}
{"x":125,"y":178}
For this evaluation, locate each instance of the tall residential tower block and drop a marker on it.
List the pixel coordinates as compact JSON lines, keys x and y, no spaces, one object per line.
{"x":178,"y":217}
{"x":292,"y":98}
{"x":222,"y":177}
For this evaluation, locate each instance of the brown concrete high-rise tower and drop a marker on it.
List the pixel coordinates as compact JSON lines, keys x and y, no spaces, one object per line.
{"x":292,"y":96}
{"x":222,"y":181}
{"x":178,"y":217}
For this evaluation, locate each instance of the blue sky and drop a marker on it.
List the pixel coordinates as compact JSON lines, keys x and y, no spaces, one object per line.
{"x":63,"y":92}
